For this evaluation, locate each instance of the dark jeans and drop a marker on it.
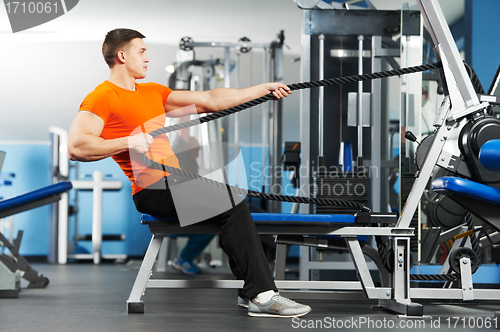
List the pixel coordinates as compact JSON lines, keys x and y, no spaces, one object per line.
{"x":238,"y":237}
{"x":195,"y":245}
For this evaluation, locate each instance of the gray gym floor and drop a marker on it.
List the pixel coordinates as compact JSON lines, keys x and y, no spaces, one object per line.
{"x":86,"y":297}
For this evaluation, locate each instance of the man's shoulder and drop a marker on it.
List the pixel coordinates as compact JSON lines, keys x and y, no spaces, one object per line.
{"x":102,"y":96}
{"x":104,"y":87}
{"x":103,"y":91}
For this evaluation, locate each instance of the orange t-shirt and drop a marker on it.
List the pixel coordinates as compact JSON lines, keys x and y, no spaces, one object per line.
{"x":126,"y":113}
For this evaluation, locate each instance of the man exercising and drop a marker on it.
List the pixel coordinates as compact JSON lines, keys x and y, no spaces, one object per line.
{"x":118,"y":106}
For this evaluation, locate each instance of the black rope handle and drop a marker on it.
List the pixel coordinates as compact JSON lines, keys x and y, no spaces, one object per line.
{"x":435,"y":277}
{"x":297,"y":86}
{"x":381,"y":248}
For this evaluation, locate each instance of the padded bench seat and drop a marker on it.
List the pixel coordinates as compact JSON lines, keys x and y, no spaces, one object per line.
{"x":452,"y":185}
{"x":481,"y":200}
{"x":33,"y":199}
{"x":275,"y":218}
{"x":361,"y":218}
{"x":267,"y":223}
{"x":277,"y":223}
{"x":21,"y":203}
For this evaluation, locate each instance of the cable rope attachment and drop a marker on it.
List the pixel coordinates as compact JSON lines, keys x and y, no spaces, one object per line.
{"x":296,"y":86}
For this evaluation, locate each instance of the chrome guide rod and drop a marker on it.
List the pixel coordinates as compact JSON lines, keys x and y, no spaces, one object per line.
{"x":360,"y":99}
{"x":321,"y":100}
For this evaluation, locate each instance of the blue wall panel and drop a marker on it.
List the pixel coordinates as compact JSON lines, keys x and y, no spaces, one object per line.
{"x":30,"y":163}
{"x":483,"y":38}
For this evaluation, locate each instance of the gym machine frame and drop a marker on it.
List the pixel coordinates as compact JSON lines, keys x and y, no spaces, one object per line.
{"x":58,"y":249}
{"x":460,"y":102}
{"x":272,"y":113}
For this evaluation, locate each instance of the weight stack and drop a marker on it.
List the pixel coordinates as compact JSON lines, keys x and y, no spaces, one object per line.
{"x":339,"y":185}
{"x":407,"y":180}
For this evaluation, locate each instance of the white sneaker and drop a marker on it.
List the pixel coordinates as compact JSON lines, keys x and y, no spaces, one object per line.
{"x":278,"y":306}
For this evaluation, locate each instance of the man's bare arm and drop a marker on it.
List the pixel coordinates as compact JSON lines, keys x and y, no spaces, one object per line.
{"x":220,"y":99}
{"x":85,"y":143}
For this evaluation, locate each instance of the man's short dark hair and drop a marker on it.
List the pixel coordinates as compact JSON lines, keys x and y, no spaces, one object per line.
{"x":115,"y":41}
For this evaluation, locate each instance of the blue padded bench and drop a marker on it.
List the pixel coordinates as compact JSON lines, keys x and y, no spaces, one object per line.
{"x":272,"y":223}
{"x":481,"y":200}
{"x":33,"y":199}
{"x":24,"y":202}
{"x":273,"y":220}
{"x":317,"y":226}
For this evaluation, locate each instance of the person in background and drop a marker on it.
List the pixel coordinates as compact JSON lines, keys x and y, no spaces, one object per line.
{"x":186,"y":148}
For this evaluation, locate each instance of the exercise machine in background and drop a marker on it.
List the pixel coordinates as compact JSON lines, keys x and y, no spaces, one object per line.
{"x":97,"y":183}
{"x":15,"y":266}
{"x":194,"y":74}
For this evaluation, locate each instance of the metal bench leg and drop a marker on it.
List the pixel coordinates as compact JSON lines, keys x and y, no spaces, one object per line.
{"x":279,"y":269}
{"x":161,"y":263}
{"x":400,"y":283}
{"x":134,"y":303}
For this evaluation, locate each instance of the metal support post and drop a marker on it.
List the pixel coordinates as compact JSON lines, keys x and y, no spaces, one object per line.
{"x":279,"y":269}
{"x":97,"y":217}
{"x":275,"y":136}
{"x":379,"y":132}
{"x":321,"y":100}
{"x":236,"y":120}
{"x":134,"y":303}
{"x":265,"y":120}
{"x":462,"y":92}
{"x":360,"y":101}
{"x":466,"y":278}
{"x":400,"y":283}
{"x":60,"y":163}
{"x":305,"y":118}
{"x":360,"y":264}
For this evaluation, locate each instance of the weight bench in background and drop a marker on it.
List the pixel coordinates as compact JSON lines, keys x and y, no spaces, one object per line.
{"x":481,"y":200}
{"x":14,"y":205}
{"x":347,"y":226}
